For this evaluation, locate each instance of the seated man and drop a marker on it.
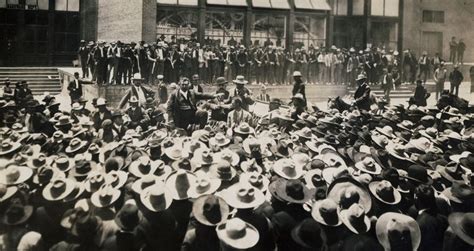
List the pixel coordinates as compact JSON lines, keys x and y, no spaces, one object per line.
{"x":137,"y":115}
{"x":238,"y":115}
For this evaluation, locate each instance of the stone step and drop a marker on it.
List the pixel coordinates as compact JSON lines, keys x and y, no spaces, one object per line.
{"x":28,"y":75}
{"x":40,"y":79}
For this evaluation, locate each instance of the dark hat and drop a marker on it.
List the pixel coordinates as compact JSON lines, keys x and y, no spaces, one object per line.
{"x":463,"y":226}
{"x":392,"y":227}
{"x":309,"y":234}
{"x":326,"y":212}
{"x":459,"y":193}
{"x":17,"y":214}
{"x":221,"y":81}
{"x":418,"y":174}
{"x":128,"y":217}
{"x":86,"y":224}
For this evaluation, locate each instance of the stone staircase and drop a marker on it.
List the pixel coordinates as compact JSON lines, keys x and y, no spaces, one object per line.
{"x":403,"y":92}
{"x":40,"y":79}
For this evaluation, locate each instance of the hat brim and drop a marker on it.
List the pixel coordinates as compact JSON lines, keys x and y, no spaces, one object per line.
{"x":281,"y":192}
{"x":144,"y":198}
{"x":360,"y":166}
{"x":96,"y":201}
{"x":230,"y":196}
{"x":381,"y":229}
{"x":317,"y":215}
{"x":69,"y":149}
{"x":249,"y":240}
{"x":9,"y":193}
{"x":171,"y":185}
{"x":28,"y":212}
{"x":339,"y":186}
{"x":344,"y":218}
{"x":47,"y":191}
{"x":214,"y":184}
{"x":396,"y":194}
{"x":25,"y":174}
{"x":198,"y":213}
{"x":455,"y":221}
{"x":15,"y":147}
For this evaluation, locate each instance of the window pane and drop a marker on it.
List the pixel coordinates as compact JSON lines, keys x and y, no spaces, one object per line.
{"x":268,"y":28}
{"x":188,"y":2}
{"x":3,"y":3}
{"x":30,"y":2}
{"x":13,"y":2}
{"x":377,"y":8}
{"x":43,"y":4}
{"x":61,"y":5}
{"x":280,"y":4}
{"x":217,"y":2}
{"x":73,"y":5}
{"x":320,"y":5}
{"x":261,"y":3}
{"x":358,"y":7}
{"x":341,"y":8}
{"x":427,"y":16}
{"x":237,"y":2}
{"x":438,"y":16}
{"x":391,"y":8}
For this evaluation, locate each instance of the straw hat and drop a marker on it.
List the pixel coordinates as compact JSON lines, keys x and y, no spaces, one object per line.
{"x":390,"y":228}
{"x":17,"y":214}
{"x":13,"y":174}
{"x":219,"y":140}
{"x":8,"y":147}
{"x":346,"y":191}
{"x":58,"y":189}
{"x":210,"y":210}
{"x":293,"y":191}
{"x":75,"y":145}
{"x":244,"y":128}
{"x":240,"y":80}
{"x":106,"y":196}
{"x":255,"y":179}
{"x":368,"y":165}
{"x":462,"y":225}
{"x":238,"y":234}
{"x":157,"y":197}
{"x":229,"y":156}
{"x":241,"y":196}
{"x":179,"y":184}
{"x":286,"y":168}
{"x":326,"y":212}
{"x":7,"y":192}
{"x":223,"y":170}
{"x":355,"y":219}
{"x":203,"y":185}
{"x":385,"y":192}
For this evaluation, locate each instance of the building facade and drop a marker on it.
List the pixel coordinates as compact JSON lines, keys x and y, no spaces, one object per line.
{"x":38,"y":32}
{"x":429,"y":25}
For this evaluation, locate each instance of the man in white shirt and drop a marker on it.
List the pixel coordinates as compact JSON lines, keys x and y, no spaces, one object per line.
{"x":137,"y":90}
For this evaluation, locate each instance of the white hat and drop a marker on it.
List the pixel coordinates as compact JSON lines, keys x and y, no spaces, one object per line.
{"x":297,"y":74}
{"x":101,"y":101}
{"x":137,"y":76}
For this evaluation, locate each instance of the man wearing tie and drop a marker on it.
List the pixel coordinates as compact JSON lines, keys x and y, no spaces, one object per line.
{"x":75,"y":88}
{"x":100,"y":56}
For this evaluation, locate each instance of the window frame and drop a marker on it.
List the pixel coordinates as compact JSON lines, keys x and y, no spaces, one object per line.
{"x":429,"y":16}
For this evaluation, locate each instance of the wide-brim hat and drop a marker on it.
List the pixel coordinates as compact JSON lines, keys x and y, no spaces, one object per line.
{"x":244,"y":128}
{"x":77,"y":147}
{"x":314,"y":178}
{"x":286,"y":168}
{"x":226,"y":154}
{"x":459,"y":222}
{"x":63,"y":163}
{"x":240,"y":80}
{"x":112,"y":196}
{"x":58,"y":189}
{"x":255,"y":179}
{"x":179,"y":184}
{"x":7,"y":192}
{"x":13,"y":216}
{"x":326,"y":212}
{"x":391,"y":199}
{"x":369,"y":165}
{"x":287,"y":187}
{"x":339,"y":186}
{"x":157,"y":197}
{"x":13,"y":174}
{"x":205,"y":207}
{"x":116,"y":179}
{"x":243,"y":196}
{"x":222,"y":170}
{"x":452,"y":171}
{"x":238,"y":234}
{"x":203,"y":185}
{"x":8,"y":147}
{"x":397,"y":222}
{"x":221,"y":140}
{"x":345,"y":216}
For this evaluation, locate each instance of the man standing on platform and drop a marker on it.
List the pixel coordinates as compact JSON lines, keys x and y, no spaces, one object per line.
{"x":453,"y":47}
{"x":455,"y":77}
{"x":75,"y":88}
{"x":138,"y":91}
{"x":299,"y":86}
{"x":182,"y":106}
{"x":100,"y":57}
{"x":83,"y":54}
{"x":424,"y":65}
{"x":439,"y":78}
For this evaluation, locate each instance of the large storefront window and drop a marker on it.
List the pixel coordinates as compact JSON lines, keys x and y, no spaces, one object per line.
{"x":179,"y":23}
{"x":387,"y":8}
{"x":384,"y":35}
{"x":309,"y":31}
{"x":224,"y":28}
{"x":268,"y":30}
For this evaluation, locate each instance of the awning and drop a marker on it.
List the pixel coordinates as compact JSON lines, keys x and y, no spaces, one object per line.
{"x":179,"y":2}
{"x":228,"y":2}
{"x":271,"y":4}
{"x":312,"y":4}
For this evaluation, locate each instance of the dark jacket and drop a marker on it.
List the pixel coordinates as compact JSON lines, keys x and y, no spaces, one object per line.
{"x":98,"y":121}
{"x":75,"y":91}
{"x":149,"y":93}
{"x":178,"y":103}
{"x":432,"y":227}
{"x":421,"y":94}
{"x":362,"y":97}
{"x":456,"y":77}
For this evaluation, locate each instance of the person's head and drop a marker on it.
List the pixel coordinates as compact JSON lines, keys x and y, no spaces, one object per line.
{"x":237,"y":103}
{"x":7,"y":82}
{"x":137,"y":79}
{"x":441,"y":64}
{"x":184,"y":84}
{"x":263,"y":89}
{"x":195,"y":78}
{"x":117,"y":119}
{"x":297,"y":76}
{"x":419,"y":82}
{"x":76,"y":75}
{"x":424,"y":197}
{"x":361,"y":79}
{"x":274,"y":104}
{"x":453,"y":38}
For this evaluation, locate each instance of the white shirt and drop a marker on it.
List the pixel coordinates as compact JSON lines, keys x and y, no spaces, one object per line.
{"x":185,"y":94}
{"x":141,"y":95}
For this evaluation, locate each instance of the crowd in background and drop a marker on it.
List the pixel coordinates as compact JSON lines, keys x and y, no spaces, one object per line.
{"x":116,"y":62}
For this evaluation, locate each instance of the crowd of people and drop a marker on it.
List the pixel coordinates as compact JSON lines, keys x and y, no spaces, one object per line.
{"x":200,"y":171}
{"x":115,"y":63}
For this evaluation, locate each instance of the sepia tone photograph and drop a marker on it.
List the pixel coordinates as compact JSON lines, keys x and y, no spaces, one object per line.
{"x":223,"y":125}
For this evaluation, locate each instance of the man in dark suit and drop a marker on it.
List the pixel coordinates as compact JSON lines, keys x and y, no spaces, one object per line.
{"x":100,"y":57}
{"x":182,"y":106}
{"x":362,"y":94}
{"x":83,"y":54}
{"x":138,"y":91}
{"x":101,"y":114}
{"x":75,"y":88}
{"x":137,"y":115}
